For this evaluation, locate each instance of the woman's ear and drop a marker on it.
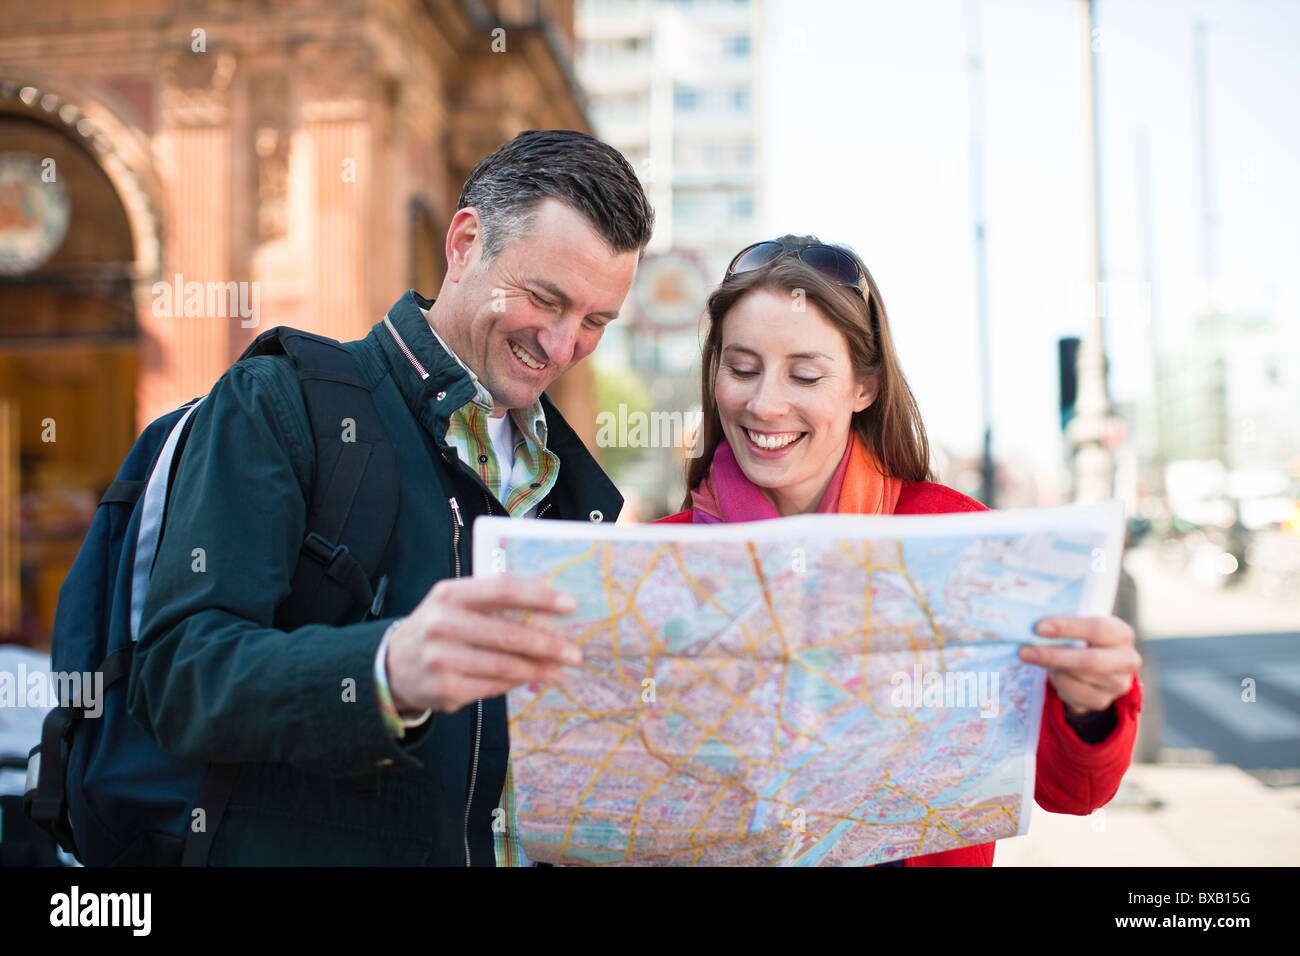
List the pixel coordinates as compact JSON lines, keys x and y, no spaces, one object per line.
{"x":866,"y":393}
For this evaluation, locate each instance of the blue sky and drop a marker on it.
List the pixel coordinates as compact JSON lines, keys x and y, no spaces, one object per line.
{"x":867,"y":141}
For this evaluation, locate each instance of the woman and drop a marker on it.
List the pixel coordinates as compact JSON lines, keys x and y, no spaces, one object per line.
{"x":806,"y":410}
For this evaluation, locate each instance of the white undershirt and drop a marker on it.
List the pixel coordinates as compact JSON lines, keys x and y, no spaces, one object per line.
{"x":502,"y":434}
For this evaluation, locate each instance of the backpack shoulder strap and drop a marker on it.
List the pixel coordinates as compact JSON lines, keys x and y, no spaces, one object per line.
{"x":354,"y":489}
{"x":354,"y":500}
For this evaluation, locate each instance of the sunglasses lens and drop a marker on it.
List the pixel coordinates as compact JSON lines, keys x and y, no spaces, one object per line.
{"x":832,"y":263}
{"x":755,"y":256}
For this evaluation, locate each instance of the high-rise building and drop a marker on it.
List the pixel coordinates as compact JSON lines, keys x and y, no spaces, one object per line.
{"x":675,"y":85}
{"x":1229,"y":392}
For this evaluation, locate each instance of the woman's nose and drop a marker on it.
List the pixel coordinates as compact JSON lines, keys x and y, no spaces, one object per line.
{"x":769,"y":399}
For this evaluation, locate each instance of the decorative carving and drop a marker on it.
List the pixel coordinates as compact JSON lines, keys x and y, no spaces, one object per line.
{"x":196,"y":89}
{"x":271,"y":126}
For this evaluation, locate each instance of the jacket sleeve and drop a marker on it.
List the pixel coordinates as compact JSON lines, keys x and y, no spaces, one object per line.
{"x":212,"y":679}
{"x":1077,"y":777}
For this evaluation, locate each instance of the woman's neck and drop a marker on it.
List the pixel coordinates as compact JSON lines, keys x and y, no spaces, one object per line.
{"x":797,"y":504}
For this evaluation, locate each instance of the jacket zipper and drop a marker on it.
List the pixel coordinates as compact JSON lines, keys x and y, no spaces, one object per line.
{"x":473,"y":772}
{"x":478,"y":707}
{"x":478,"y":714}
{"x":455,"y":534}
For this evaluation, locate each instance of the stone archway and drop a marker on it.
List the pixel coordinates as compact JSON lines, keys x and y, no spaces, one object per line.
{"x":79,"y":247}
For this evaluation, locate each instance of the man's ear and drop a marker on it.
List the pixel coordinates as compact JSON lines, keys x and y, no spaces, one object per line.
{"x":464,"y":243}
{"x":866,"y":393}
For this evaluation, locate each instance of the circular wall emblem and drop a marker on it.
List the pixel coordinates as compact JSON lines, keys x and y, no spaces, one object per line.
{"x":34,"y":212}
{"x":670,"y":289}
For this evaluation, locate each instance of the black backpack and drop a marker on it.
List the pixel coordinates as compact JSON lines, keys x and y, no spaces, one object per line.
{"x":98,"y":782}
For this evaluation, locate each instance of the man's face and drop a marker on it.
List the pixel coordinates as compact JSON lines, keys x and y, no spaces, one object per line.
{"x":538,"y":308}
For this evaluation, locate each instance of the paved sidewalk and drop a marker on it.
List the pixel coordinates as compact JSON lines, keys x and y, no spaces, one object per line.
{"x":1169,"y":815}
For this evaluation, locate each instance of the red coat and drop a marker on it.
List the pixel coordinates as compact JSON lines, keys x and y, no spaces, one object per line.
{"x":1073,"y":776}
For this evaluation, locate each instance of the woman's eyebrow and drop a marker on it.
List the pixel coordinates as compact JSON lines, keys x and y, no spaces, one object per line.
{"x":793,"y":355}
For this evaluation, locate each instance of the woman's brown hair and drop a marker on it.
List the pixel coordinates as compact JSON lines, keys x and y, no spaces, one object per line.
{"x":891,"y":425}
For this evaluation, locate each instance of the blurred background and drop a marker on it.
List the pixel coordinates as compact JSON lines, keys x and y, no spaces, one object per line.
{"x":1081,"y":217}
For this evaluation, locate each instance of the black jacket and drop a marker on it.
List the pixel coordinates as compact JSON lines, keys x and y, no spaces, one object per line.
{"x":322,"y":780}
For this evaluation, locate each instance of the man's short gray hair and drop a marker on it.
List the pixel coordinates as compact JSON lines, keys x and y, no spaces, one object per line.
{"x":589,"y":176}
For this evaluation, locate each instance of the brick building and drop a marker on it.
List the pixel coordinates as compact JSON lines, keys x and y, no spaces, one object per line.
{"x":177,"y":177}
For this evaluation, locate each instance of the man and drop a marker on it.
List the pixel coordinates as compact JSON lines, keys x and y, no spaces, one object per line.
{"x":540,"y":255}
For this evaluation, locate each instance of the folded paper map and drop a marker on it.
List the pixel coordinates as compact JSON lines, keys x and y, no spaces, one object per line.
{"x":817,"y":690}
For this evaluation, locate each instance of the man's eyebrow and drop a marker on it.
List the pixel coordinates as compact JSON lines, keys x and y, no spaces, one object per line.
{"x":793,"y":355}
{"x":565,"y":300}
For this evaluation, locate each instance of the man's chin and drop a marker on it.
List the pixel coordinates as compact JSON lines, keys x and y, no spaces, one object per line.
{"x":518,"y":397}
{"x":519,"y":392}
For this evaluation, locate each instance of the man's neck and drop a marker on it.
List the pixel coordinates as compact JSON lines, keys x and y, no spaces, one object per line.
{"x":498,"y":410}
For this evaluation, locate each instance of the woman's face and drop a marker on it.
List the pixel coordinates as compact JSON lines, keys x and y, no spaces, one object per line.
{"x":786,"y":396}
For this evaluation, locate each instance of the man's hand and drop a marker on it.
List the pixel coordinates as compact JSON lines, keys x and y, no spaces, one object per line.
{"x":458,"y":645}
{"x":1088,"y":678}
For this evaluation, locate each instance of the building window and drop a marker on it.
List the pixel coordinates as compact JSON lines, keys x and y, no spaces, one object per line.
{"x":740,"y":100}
{"x":744,"y":207}
{"x":684,"y":99}
{"x":738,"y":46}
{"x":687,"y":208}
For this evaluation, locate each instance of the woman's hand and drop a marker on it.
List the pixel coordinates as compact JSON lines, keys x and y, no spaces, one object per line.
{"x":1088,"y":678}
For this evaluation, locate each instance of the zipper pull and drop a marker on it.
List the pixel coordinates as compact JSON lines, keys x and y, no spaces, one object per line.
{"x":377,"y":605}
{"x":455,"y":510}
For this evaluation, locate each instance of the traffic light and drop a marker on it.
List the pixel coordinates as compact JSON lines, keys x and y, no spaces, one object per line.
{"x":1068,"y":357}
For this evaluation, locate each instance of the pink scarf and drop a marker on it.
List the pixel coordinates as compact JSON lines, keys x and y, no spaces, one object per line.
{"x":857,"y":487}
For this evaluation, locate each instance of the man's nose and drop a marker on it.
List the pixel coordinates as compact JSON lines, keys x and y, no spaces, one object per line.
{"x":560,"y":339}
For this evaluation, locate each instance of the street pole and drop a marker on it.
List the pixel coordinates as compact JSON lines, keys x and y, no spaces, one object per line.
{"x":1094,"y":465}
{"x":1209,"y":207}
{"x":1147,"y":245}
{"x":988,"y":472}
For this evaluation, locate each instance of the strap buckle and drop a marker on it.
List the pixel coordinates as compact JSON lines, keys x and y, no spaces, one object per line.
{"x":324,"y":551}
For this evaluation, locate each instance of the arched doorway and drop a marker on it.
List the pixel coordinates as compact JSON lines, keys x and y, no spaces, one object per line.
{"x":68,"y":351}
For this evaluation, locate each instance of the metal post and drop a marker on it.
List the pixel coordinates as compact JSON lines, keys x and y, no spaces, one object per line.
{"x":1094,"y":465}
{"x":988,"y":472}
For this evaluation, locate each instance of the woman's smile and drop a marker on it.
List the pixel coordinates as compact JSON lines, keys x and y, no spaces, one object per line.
{"x":772,"y":444}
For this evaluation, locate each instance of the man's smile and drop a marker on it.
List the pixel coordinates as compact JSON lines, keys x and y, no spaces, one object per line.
{"x":527,"y":359}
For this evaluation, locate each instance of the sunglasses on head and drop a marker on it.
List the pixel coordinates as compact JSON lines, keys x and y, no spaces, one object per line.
{"x":836,"y":264}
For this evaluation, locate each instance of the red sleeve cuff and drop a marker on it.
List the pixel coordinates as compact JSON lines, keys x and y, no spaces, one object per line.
{"x":1065,"y":743}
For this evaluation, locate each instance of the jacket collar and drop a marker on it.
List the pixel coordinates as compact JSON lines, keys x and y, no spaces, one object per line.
{"x":431,"y":380}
